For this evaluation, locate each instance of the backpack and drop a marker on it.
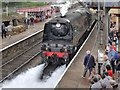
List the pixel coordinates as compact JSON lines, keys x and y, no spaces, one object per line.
{"x":116,"y":55}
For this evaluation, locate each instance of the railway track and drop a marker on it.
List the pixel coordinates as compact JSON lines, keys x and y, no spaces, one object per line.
{"x":48,"y":70}
{"x":13,"y":65}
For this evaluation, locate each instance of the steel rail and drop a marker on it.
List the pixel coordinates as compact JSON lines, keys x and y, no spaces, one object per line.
{"x":20,"y":66}
{"x":20,"y":54}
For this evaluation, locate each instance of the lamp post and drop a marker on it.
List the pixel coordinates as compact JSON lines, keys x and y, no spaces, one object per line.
{"x":98,"y":22}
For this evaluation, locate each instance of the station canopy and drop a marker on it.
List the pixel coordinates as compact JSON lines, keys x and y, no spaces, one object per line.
{"x":35,"y":9}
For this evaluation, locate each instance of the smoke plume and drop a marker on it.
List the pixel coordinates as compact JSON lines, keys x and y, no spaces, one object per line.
{"x":64,"y":8}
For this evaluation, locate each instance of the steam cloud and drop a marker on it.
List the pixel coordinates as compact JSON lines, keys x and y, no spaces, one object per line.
{"x":31,"y":79}
{"x":64,"y":8}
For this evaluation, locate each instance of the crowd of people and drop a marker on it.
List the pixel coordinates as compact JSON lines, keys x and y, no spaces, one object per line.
{"x":27,"y":22}
{"x":30,"y":21}
{"x":104,"y":80}
{"x":111,"y":50}
{"x":110,"y":67}
{"x":39,"y":17}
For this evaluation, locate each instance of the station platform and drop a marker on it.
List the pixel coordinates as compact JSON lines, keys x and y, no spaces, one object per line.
{"x":73,"y":76}
{"x":37,"y":26}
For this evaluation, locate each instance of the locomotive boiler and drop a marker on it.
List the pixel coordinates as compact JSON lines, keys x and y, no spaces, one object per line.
{"x":62,"y":35}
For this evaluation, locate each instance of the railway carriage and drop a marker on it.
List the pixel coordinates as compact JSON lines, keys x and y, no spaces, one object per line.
{"x":62,"y":35}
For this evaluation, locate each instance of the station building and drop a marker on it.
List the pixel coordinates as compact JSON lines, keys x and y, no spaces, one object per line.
{"x":36,"y":12}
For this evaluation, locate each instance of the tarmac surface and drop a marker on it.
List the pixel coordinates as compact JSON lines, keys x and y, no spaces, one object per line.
{"x":73,"y":76}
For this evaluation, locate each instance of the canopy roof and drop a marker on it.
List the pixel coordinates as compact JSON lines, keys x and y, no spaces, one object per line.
{"x":35,"y":9}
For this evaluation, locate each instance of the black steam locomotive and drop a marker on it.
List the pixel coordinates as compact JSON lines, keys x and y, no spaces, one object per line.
{"x":62,"y":35}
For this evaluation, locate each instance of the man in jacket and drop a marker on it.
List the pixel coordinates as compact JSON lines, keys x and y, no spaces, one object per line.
{"x":26,"y":21}
{"x":112,"y":59}
{"x":118,"y":63}
{"x":89,"y":62}
{"x":32,"y":21}
{"x":3,"y":30}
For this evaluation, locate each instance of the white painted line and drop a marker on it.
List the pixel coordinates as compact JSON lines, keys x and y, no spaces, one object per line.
{"x":20,"y":40}
{"x":74,"y":58}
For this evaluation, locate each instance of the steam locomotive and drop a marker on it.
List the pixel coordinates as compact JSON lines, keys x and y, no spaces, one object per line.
{"x":62,"y":35}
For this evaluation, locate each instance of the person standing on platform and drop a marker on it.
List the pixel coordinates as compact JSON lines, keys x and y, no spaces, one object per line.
{"x":117,"y":45}
{"x":115,"y":38}
{"x":89,"y":63}
{"x":10,"y":29}
{"x":112,"y":59}
{"x":32,"y":21}
{"x":54,"y":12}
{"x":107,"y":50}
{"x":105,"y":63}
{"x":111,"y":34}
{"x":26,"y":21}
{"x":118,"y":62}
{"x":114,"y":46}
{"x":109,"y":41}
{"x":3,"y":30}
{"x":42,"y":16}
{"x":108,"y":67}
